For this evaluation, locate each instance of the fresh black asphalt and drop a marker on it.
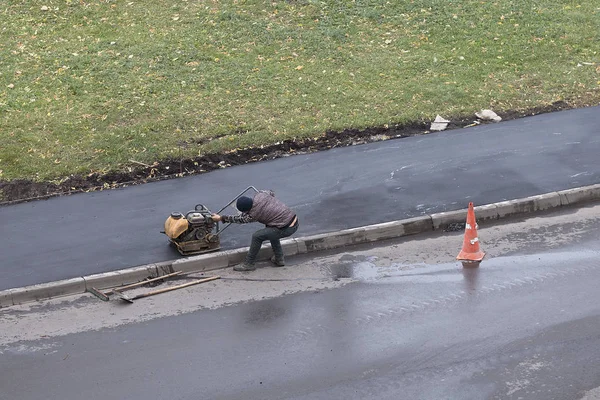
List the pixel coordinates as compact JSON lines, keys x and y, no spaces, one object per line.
{"x":78,"y":235}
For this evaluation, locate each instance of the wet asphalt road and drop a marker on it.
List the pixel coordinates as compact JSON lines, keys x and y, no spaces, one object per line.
{"x":90,"y":233}
{"x":519,"y":327}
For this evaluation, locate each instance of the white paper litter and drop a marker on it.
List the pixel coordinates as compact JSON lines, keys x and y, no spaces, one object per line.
{"x":439,"y":124}
{"x":488,"y":115}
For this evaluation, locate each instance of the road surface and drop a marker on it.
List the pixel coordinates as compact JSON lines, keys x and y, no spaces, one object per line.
{"x":83,"y":234}
{"x":401,"y":321}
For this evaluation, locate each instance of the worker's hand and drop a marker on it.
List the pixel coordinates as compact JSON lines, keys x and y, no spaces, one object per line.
{"x":216,"y":217}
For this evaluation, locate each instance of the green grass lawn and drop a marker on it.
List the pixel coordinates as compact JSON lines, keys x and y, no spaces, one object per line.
{"x":87,"y":86}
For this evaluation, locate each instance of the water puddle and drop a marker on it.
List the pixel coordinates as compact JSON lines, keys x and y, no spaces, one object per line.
{"x":29,"y":348}
{"x":355,"y":267}
{"x":370,"y":268}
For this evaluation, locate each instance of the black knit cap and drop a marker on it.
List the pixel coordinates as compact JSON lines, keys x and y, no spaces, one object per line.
{"x":244,"y":204}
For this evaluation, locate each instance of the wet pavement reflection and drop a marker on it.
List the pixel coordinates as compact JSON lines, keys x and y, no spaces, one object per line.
{"x":391,"y":333}
{"x":471,"y":278}
{"x":371,"y":269}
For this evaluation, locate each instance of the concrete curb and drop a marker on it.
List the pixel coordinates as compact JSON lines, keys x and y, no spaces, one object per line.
{"x":309,"y":244}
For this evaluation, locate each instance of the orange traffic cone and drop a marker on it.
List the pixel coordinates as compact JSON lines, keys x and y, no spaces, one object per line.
{"x":470,"y":254}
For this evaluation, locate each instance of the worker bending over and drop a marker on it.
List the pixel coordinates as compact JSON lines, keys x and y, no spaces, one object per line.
{"x":280,"y":222}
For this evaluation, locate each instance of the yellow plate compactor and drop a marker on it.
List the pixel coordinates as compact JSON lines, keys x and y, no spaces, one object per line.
{"x":195,"y":232}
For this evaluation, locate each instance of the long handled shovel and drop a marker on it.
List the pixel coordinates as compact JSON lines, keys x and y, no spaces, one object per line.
{"x":104,"y":295}
{"x":141,"y":283}
{"x":152,"y":293}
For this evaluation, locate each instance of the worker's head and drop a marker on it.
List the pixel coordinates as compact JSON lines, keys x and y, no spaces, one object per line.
{"x":244,"y":204}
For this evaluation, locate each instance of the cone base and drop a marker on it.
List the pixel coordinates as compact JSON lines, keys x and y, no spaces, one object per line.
{"x":474,"y":257}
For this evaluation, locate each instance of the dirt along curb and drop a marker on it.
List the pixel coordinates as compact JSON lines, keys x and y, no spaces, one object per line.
{"x":24,"y":190}
{"x":303,"y":245}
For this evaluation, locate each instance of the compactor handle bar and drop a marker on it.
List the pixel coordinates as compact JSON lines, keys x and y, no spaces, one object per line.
{"x":202,"y":207}
{"x":230,"y":203}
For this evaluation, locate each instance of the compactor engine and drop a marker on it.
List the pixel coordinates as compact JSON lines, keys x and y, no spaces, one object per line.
{"x":193,"y":233}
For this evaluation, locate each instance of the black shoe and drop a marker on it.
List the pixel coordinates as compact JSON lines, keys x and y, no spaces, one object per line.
{"x":277,"y":262}
{"x":244,"y":267}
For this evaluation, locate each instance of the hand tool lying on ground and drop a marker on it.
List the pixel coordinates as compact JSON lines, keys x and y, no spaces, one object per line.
{"x":104,"y":295}
{"x":168,"y":289}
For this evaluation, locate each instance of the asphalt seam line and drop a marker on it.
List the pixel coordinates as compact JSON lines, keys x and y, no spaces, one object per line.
{"x":303,"y":245}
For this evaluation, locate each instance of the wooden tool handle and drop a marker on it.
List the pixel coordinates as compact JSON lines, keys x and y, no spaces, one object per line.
{"x":133,"y":285}
{"x":139,"y":296}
